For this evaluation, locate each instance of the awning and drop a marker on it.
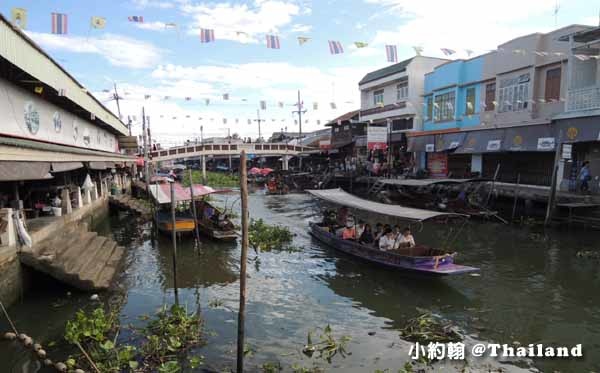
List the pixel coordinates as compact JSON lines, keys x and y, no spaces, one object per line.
{"x":339,"y":145}
{"x":162,"y":192}
{"x":397,"y":137}
{"x":449,"y":141}
{"x":66,"y":166}
{"x":338,"y":196}
{"x":578,"y":129}
{"x":486,"y":141}
{"x":99,"y":165}
{"x":421,"y":143}
{"x":427,"y":182}
{"x":16,"y":171}
{"x":529,"y":139}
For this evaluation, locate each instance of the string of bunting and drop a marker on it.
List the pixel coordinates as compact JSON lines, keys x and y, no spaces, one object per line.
{"x":60,"y":26}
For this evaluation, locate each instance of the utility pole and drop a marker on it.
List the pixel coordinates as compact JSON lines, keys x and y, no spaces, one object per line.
{"x":259,"y":122}
{"x":117,"y":98}
{"x":146,"y":163}
{"x":128,"y":124}
{"x":299,"y":112}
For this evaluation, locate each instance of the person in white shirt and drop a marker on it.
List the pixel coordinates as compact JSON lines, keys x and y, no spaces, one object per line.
{"x":406,"y":239}
{"x":360,"y":228}
{"x":386,"y":242}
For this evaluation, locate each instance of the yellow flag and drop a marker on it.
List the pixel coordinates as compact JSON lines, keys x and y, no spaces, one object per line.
{"x":303,"y":40}
{"x":39,"y":90}
{"x":360,"y":44}
{"x":98,"y":22}
{"x":19,"y":17}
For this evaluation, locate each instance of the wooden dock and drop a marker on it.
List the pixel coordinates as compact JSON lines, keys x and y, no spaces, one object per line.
{"x":76,"y":256}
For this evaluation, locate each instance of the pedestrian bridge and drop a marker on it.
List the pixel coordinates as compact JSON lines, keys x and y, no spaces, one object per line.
{"x":257,"y":149}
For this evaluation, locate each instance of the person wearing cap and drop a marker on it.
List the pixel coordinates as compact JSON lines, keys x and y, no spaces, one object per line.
{"x":349,"y":233}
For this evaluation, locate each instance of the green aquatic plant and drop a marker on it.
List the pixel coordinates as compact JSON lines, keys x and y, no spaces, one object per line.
{"x":265,"y":237}
{"x":427,"y":328}
{"x":327,"y":346}
{"x":171,"y":331}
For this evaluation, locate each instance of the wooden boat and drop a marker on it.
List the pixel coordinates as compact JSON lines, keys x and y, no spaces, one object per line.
{"x":209,"y":228}
{"x":183,"y":222}
{"x":420,"y":259}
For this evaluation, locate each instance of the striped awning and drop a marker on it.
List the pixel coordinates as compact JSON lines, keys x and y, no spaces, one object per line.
{"x":162,"y":192}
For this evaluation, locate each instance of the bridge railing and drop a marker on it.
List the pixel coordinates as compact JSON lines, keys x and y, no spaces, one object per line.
{"x":256,"y":148}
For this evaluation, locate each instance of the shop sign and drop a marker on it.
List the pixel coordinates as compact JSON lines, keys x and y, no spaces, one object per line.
{"x":567,"y":151}
{"x":494,"y":145}
{"x":377,"y":137}
{"x":545,"y":143}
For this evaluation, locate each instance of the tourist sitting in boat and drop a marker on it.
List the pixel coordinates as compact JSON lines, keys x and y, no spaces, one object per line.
{"x":406,"y":239}
{"x":378,"y":233}
{"x":342,"y":216}
{"x":360,"y":228}
{"x":386,"y":242}
{"x":349,"y":233}
{"x":329,"y":220}
{"x":397,"y":232}
{"x":366,"y":238}
{"x":224,"y":222}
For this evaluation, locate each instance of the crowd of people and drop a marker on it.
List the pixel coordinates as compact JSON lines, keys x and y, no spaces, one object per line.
{"x":384,"y":237}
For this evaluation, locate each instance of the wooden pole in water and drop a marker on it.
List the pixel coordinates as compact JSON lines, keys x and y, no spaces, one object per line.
{"x":194,"y":209}
{"x":174,"y":239}
{"x":243,"y":260}
{"x":512,"y":219}
{"x":487,"y":201}
{"x":552,"y":194}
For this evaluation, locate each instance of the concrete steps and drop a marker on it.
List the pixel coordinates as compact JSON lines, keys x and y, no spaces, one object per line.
{"x":77,"y":257}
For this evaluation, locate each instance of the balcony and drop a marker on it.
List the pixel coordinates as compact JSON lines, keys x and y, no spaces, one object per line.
{"x":584,"y":98}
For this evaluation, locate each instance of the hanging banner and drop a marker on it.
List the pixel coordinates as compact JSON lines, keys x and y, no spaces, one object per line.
{"x":437,"y":164}
{"x":377,"y":137}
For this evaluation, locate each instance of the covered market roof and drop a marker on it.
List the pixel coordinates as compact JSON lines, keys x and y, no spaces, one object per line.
{"x":34,"y":67}
{"x":162,"y":192}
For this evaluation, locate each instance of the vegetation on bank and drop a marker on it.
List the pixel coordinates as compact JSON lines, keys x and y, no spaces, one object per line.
{"x":213,"y":179}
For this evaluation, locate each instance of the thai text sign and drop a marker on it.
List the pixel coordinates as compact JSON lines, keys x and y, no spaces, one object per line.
{"x":377,"y":137}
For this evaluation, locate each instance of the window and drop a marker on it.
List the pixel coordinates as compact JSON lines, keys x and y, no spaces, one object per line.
{"x":402,"y":91}
{"x":402,"y":124}
{"x":444,"y":107}
{"x":470,"y":102}
{"x":553,"y":84}
{"x":429,"y":106}
{"x":490,"y":96}
{"x":378,"y":97}
{"x":514,"y":93}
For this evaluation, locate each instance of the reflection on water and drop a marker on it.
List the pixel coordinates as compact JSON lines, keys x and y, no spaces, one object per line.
{"x":532,"y":289}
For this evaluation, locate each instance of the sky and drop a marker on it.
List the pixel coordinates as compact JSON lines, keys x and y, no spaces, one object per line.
{"x":156,"y":59}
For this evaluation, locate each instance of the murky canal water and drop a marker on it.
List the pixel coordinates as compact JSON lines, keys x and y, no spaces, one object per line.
{"x":532,"y":289}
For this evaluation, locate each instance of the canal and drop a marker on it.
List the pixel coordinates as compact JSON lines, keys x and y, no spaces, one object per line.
{"x":532,"y":289}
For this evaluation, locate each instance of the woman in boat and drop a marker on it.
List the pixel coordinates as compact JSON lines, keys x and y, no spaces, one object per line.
{"x":366,"y":238}
{"x":406,"y":239}
{"x":386,"y":242}
{"x":349,"y":233}
{"x":378,"y":233}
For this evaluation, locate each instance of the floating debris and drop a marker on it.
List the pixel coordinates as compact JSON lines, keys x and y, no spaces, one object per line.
{"x":427,"y":328}
{"x":588,"y":254}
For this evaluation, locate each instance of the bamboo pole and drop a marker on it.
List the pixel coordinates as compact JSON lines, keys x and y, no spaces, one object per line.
{"x":243,"y":260}
{"x":552,"y":194}
{"x":512,"y":219}
{"x":194,"y":210}
{"x":174,"y":239}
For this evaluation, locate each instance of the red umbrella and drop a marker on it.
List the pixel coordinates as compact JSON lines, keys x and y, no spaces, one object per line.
{"x":266,"y":171}
{"x":254,"y":171}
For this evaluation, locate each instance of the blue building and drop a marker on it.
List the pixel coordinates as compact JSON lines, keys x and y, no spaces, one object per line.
{"x":452,"y":95}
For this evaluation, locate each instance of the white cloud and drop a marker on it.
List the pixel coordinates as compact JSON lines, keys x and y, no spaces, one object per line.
{"x":301,"y":28}
{"x":227,"y":19}
{"x":154,"y":4}
{"x":118,"y":50}
{"x":461,"y":24}
{"x":156,"y":26}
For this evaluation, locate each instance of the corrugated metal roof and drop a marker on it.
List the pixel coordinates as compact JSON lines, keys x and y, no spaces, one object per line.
{"x":386,"y":71}
{"x":18,"y":49}
{"x":343,"y":118}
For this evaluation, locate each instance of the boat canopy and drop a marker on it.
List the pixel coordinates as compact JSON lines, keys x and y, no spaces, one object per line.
{"x":427,"y":182}
{"x":340,"y":197}
{"x":162,"y":192}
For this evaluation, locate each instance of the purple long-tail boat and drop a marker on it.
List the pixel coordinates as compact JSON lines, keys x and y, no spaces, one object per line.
{"x":421,"y":260}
